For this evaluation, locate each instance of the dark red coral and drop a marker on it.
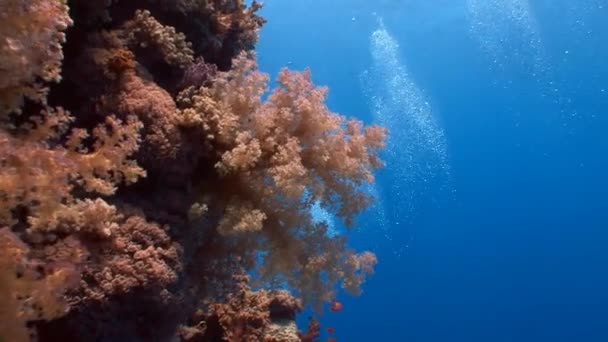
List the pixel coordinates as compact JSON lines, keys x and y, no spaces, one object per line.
{"x":247,"y":315}
{"x":313,"y":331}
{"x":198,"y":74}
{"x":124,"y":285}
{"x":138,"y":255}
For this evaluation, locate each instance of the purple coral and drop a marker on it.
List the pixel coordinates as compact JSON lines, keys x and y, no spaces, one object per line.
{"x":199,"y":74}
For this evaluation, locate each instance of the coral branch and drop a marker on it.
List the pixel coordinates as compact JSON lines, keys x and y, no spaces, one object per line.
{"x":144,"y":30}
{"x":31,"y":35}
{"x":41,"y":175}
{"x":25,"y":294}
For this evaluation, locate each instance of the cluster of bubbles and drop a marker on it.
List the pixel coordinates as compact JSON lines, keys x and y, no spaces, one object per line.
{"x":582,"y":9}
{"x":509,"y":35}
{"x":416,"y":142}
{"x":507,"y":31}
{"x":321,"y":215}
{"x":416,"y":149}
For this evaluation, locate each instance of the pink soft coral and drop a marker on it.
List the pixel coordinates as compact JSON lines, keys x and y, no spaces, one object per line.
{"x":31,"y":35}
{"x":273,"y":160}
{"x":27,"y":295}
{"x":40,"y":174}
{"x":139,"y":254}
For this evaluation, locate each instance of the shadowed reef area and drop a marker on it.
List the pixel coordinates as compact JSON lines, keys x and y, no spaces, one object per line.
{"x":152,"y":187}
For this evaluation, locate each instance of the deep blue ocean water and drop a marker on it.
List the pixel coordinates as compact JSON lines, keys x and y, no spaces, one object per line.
{"x":492,"y":218}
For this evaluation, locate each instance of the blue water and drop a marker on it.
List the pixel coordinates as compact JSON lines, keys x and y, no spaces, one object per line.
{"x":492,"y":219}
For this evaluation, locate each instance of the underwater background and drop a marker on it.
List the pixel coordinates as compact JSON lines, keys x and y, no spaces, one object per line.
{"x":492,"y":212}
{"x":176,"y":170}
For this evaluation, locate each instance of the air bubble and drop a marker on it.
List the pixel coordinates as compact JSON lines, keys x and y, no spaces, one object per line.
{"x":416,"y":149}
{"x":496,"y":23}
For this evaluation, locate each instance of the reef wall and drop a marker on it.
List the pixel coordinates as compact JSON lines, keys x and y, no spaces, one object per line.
{"x":149,"y":191}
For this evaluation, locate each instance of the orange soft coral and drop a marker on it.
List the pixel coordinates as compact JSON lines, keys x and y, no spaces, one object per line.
{"x":154,"y":106}
{"x":273,"y":159}
{"x":292,"y":138}
{"x":40,"y":175}
{"x":139,"y":254}
{"x":232,"y":174}
{"x":25,"y":294}
{"x":32,"y":32}
{"x":144,"y":31}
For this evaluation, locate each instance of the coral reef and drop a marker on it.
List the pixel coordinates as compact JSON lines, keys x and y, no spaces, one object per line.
{"x":144,"y":172}
{"x":247,"y":316}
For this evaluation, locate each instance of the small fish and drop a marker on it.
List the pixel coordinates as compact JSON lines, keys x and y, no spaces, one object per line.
{"x":331,"y":330}
{"x":331,"y":339}
{"x":335,"y":306}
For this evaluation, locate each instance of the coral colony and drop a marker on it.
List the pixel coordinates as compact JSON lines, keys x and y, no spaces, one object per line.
{"x":148,"y":192}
